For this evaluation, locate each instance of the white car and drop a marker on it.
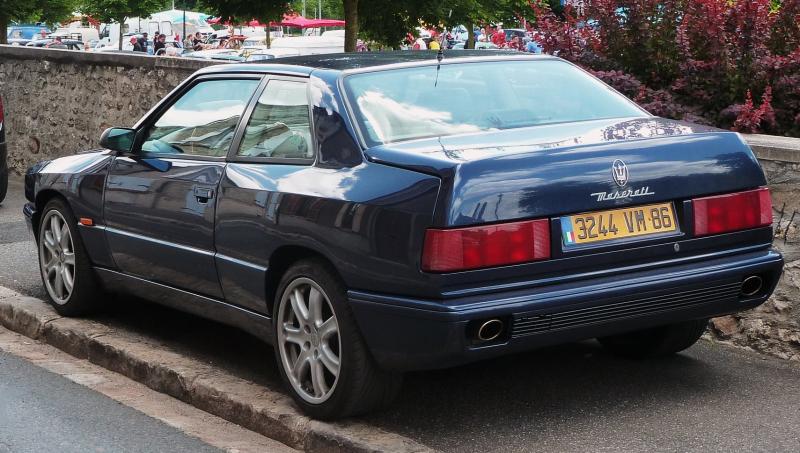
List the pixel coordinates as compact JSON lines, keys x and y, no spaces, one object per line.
{"x":268,"y":54}
{"x":310,"y":45}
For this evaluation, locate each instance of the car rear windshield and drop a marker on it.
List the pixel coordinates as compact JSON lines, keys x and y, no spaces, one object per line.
{"x":405,"y":104}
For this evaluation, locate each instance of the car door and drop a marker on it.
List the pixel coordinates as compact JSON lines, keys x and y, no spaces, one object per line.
{"x":274,"y":148}
{"x":160,"y":200}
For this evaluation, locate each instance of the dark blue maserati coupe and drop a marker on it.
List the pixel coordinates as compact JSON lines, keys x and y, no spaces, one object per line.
{"x":370,"y":214}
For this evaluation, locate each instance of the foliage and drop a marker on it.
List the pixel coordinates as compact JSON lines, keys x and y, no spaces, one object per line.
{"x":785,"y":36}
{"x":690,"y":59}
{"x":331,"y":9}
{"x":388,"y":21}
{"x":246,"y":10}
{"x":107,"y":11}
{"x":33,"y":11}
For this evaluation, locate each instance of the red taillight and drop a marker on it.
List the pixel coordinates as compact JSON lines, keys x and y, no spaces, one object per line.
{"x":732,"y":212}
{"x":485,"y":246}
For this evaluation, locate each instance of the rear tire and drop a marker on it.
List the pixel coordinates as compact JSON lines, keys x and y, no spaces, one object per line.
{"x":656,"y":342}
{"x":322,"y":357}
{"x":67,"y":274}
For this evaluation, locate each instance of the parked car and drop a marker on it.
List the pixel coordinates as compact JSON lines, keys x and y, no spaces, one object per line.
{"x":367,"y":221}
{"x":518,"y":32}
{"x":257,"y":54}
{"x":3,"y":155}
{"x":26,"y":31}
{"x":69,"y":44}
{"x":479,"y":45}
{"x":231,"y":55}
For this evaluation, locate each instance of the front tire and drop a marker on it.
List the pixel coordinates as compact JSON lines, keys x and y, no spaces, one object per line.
{"x":323,"y":360}
{"x":3,"y":183}
{"x":656,"y":342}
{"x":66,"y":272}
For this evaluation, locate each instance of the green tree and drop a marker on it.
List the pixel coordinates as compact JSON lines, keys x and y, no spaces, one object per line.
{"x":331,"y":9}
{"x":264,"y":11}
{"x":240,"y":11}
{"x":388,"y":21}
{"x":118,"y":10}
{"x":48,"y":11}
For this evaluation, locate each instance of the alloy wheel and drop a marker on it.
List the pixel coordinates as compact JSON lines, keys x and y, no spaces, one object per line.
{"x":57,"y":257}
{"x":308,"y":340}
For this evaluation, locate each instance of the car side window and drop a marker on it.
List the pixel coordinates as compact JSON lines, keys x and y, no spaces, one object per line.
{"x":279,"y":127}
{"x":203,"y":121}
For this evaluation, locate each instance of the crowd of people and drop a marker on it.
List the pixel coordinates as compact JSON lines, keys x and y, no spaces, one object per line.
{"x":493,"y":37}
{"x":141,"y":43}
{"x":193,"y":42}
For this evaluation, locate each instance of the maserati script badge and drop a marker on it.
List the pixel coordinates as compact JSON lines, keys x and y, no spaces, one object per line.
{"x":620,"y":173}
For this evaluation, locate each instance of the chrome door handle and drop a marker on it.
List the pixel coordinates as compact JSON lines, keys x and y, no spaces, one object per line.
{"x":203,"y":194}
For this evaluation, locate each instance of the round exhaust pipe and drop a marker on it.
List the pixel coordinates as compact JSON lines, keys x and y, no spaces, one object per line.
{"x":752,"y":285}
{"x":490,"y":330}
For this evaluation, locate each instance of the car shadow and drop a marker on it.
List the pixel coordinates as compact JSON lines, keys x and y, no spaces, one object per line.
{"x":535,"y":391}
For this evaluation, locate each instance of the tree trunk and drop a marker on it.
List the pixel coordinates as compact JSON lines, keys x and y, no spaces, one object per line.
{"x":470,"y":37}
{"x":3,"y":30}
{"x":120,"y":33}
{"x":351,"y":24}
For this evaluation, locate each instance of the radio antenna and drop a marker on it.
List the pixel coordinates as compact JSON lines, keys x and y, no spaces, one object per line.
{"x":440,"y":53}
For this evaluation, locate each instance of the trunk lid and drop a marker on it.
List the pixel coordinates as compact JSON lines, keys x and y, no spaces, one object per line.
{"x":552,"y":170}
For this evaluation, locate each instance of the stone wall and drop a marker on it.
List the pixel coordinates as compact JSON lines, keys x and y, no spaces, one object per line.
{"x":774,"y":327}
{"x":59,"y":101}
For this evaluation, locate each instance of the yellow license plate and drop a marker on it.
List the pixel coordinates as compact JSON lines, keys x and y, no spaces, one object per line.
{"x":618,"y":224}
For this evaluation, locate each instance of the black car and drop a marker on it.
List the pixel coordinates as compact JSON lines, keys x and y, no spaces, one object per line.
{"x":3,"y":155}
{"x":375,"y":213}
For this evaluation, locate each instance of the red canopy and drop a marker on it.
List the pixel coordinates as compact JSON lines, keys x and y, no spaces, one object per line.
{"x":290,"y":20}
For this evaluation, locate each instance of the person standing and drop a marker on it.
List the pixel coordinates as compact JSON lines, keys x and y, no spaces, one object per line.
{"x":143,"y":42}
{"x":159,"y":44}
{"x":135,"y":43}
{"x":434,"y":43}
{"x":499,"y":37}
{"x":55,"y":43}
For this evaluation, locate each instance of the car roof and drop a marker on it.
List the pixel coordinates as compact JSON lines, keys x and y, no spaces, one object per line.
{"x":304,"y":65}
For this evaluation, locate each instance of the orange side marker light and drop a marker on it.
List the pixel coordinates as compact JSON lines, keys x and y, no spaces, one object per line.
{"x":85,"y":221}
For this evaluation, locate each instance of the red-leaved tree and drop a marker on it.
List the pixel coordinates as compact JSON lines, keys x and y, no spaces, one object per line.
{"x":703,"y":60}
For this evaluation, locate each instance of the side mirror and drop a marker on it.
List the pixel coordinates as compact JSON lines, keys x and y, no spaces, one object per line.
{"x":118,"y":139}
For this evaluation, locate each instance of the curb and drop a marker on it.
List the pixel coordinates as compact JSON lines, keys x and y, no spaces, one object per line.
{"x":210,"y":389}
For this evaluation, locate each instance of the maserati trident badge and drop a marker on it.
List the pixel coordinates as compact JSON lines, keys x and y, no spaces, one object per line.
{"x":620,"y":173}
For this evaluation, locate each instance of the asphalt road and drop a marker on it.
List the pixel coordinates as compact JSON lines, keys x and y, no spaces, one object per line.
{"x":41,"y":411}
{"x":18,"y":267}
{"x":569,"y":398}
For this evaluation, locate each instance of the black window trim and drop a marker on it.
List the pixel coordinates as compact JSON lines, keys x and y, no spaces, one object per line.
{"x":173,"y":97}
{"x":233,"y":156}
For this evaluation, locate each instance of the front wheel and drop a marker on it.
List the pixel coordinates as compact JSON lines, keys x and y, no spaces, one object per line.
{"x":656,"y":342}
{"x":322,"y":357}
{"x":66,"y":271}
{"x":3,"y":183}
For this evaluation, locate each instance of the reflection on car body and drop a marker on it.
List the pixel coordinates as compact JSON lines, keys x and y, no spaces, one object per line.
{"x":378,"y":213}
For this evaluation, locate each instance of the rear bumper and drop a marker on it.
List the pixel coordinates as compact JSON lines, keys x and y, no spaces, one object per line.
{"x":409,"y":334}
